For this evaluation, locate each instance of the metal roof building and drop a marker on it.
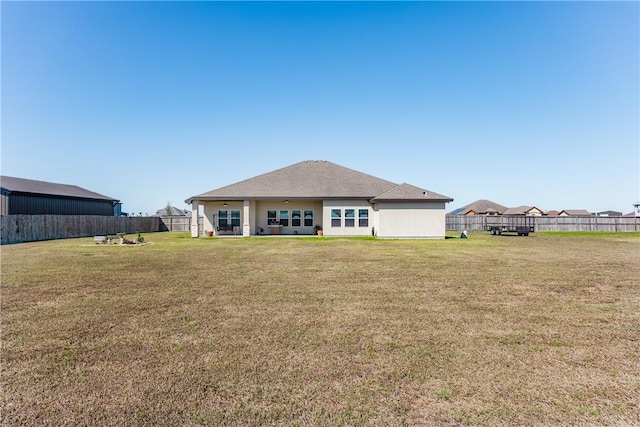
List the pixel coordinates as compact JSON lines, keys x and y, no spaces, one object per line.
{"x":31,"y":197}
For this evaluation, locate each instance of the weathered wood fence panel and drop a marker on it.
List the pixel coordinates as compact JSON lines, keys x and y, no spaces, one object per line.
{"x":179,"y":223}
{"x":553,"y":223}
{"x":30,"y":228}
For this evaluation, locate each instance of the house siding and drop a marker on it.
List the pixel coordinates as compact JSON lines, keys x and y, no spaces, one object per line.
{"x":262,"y":206}
{"x":342,"y":230}
{"x":410,"y":220}
{"x":32,"y":204}
{"x":258,"y":214}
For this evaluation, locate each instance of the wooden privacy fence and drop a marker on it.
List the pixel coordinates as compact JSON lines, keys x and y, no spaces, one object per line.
{"x":30,"y":228}
{"x":178,"y":223}
{"x":552,"y":223}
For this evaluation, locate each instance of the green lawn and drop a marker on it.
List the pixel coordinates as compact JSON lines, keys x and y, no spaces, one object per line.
{"x":493,"y":330}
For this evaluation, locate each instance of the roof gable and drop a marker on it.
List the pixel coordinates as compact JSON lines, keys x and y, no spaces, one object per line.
{"x":409,"y":193}
{"x":574,"y":212}
{"x":315,"y":179}
{"x":31,"y":186}
{"x":306,"y":179}
{"x":522,"y":210}
{"x":483,"y":206}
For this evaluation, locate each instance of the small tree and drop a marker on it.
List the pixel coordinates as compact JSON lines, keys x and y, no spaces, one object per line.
{"x":168,"y":210}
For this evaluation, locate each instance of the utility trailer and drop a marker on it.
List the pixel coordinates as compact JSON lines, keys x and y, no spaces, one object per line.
{"x":498,"y":224}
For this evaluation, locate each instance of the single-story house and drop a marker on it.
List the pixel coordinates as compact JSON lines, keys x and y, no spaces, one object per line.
{"x":481,"y":207}
{"x":317,"y":194}
{"x":20,"y":196}
{"x":524,"y":210}
{"x":574,"y":212}
{"x":173,"y":211}
{"x":609,"y":213}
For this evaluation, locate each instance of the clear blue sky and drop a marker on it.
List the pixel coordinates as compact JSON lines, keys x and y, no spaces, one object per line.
{"x":148,"y":102}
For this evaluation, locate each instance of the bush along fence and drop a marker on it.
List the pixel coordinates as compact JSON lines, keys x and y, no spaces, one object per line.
{"x":30,"y":228}
{"x":552,"y":223}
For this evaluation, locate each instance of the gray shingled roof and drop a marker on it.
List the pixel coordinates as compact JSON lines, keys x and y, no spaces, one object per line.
{"x":483,"y":206}
{"x":520,"y":210}
{"x":174,"y":212}
{"x":576,"y":212}
{"x":407,"y":192}
{"x":309,"y":179}
{"x":31,"y":186}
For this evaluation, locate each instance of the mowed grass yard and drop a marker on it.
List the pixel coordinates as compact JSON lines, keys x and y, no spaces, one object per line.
{"x":538,"y":330}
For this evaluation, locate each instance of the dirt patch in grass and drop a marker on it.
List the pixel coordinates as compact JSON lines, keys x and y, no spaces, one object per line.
{"x":534,"y":330}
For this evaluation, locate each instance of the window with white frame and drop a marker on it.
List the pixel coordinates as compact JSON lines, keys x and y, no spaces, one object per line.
{"x":363,"y":217}
{"x":235,"y":217}
{"x":308,"y":218}
{"x":284,"y":218}
{"x":296,"y":216}
{"x":349,"y":217}
{"x":223,"y":218}
{"x":336,"y":217}
{"x":271,"y":217}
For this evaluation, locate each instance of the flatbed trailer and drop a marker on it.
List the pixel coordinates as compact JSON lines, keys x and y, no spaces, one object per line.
{"x":498,"y":224}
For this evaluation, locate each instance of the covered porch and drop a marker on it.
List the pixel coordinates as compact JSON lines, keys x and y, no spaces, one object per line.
{"x":259,"y":217}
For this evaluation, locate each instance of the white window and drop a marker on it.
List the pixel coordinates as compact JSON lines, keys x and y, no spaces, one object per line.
{"x":284,"y":218}
{"x":271,"y":217}
{"x":235,"y":217}
{"x":223,"y":218}
{"x":308,"y":218}
{"x":296,"y":215}
{"x":336,"y":217}
{"x":349,"y":217}
{"x":363,"y":217}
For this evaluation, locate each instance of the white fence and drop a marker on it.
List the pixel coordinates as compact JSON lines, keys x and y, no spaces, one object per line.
{"x":552,"y":223}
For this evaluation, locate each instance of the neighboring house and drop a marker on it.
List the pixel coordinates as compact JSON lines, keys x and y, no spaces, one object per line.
{"x":316,"y":193}
{"x":636,"y":211}
{"x":574,"y":212}
{"x":31,"y":197}
{"x":524,"y":210}
{"x":173,"y":212}
{"x":609,"y":213}
{"x":481,"y":207}
{"x":552,"y":213}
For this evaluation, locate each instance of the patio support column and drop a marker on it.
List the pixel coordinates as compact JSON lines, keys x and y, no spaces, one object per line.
{"x":246,"y":222}
{"x":194,"y":218}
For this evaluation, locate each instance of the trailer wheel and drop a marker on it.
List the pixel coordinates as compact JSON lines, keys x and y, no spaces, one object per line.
{"x":525,"y":234}
{"x":498,"y":232}
{"x":493,"y":232}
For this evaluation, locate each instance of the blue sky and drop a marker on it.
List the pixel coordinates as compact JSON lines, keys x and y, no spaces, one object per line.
{"x":148,"y":102}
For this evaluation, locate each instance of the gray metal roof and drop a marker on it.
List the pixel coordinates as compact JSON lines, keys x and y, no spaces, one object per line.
{"x":31,"y":186}
{"x":309,"y":179}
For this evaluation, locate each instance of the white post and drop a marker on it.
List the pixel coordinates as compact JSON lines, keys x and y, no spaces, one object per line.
{"x":246,"y":222}
{"x":194,"y":218}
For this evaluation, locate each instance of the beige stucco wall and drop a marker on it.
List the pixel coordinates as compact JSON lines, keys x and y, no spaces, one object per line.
{"x":342,"y":230}
{"x":258,"y":214}
{"x":393,"y":220}
{"x":410,"y":220}
{"x":262,"y":206}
